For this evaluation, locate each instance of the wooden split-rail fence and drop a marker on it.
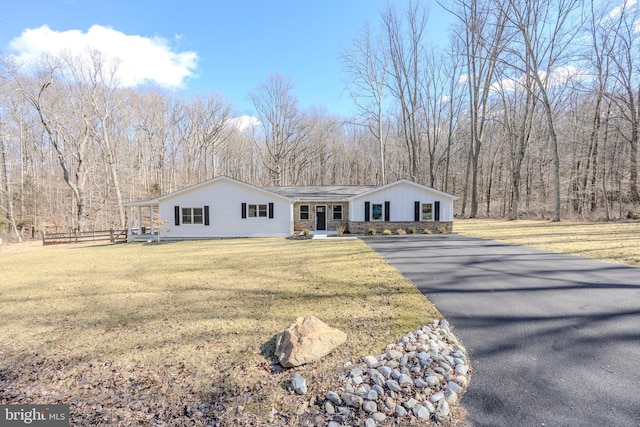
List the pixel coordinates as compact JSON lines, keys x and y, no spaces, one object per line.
{"x":111,"y":235}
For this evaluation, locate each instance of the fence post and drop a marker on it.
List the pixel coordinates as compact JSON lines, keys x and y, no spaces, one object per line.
{"x":75,"y":233}
{"x":44,"y":237}
{"x":112,"y":237}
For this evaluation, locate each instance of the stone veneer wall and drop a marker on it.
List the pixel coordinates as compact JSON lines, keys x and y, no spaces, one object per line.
{"x":310,"y":224}
{"x":439,"y":227}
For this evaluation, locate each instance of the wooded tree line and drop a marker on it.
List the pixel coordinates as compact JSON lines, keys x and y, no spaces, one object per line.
{"x":532,"y":110}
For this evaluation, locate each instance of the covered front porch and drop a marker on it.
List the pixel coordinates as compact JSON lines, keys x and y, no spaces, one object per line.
{"x":143,"y":222}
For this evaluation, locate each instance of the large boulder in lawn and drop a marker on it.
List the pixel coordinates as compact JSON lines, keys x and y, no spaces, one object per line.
{"x":306,"y":340}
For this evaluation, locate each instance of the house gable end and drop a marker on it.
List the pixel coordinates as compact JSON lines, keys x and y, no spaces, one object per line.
{"x":217,"y":180}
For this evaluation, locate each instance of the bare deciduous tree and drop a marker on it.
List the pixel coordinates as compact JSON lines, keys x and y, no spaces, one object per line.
{"x":482,"y":27}
{"x":366,"y":66}
{"x":625,"y":55}
{"x":546,"y":32}
{"x":284,"y":129}
{"x":67,"y":125}
{"x":405,"y":51}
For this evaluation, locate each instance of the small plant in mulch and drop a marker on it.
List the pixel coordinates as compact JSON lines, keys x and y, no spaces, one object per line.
{"x":341,"y":230}
{"x":299,"y":237}
{"x":427,"y":231}
{"x":372,"y":231}
{"x":401,"y":231}
{"x":386,"y":232}
{"x":303,"y":235}
{"x":411,"y":230}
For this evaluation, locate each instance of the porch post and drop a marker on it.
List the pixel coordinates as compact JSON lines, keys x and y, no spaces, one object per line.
{"x":139,"y":220}
{"x":151,"y":228}
{"x":128,"y":223}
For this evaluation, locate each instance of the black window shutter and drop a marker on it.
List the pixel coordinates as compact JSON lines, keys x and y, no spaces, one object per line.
{"x":206,"y":215}
{"x":416,"y":211}
{"x":387,"y":208}
{"x":176,"y":212}
{"x":270,"y":210}
{"x":436,"y":214}
{"x":366,"y":211}
{"x":244,"y":210}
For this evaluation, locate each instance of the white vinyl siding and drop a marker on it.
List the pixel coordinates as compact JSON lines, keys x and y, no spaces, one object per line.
{"x":226,"y":196}
{"x":401,"y":196}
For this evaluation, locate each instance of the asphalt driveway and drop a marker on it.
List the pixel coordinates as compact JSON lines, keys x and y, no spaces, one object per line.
{"x":554,"y":340}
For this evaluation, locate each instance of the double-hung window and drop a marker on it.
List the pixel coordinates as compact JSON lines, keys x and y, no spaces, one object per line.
{"x":304,"y":211}
{"x":376,"y":212}
{"x":427,"y":212}
{"x":337,"y":212}
{"x":192,"y":216}
{"x":258,"y":211}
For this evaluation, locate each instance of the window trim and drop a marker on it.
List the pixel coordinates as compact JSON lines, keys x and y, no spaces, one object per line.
{"x":190,"y":210}
{"x":373,"y":215}
{"x":307,"y":213}
{"x":258,"y":210}
{"x":422,"y":211}
{"x":334,"y":212}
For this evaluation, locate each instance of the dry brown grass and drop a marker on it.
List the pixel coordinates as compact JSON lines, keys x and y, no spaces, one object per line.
{"x":609,"y":241}
{"x":184,"y":332}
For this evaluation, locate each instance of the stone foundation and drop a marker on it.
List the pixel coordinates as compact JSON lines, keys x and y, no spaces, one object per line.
{"x":439,"y":227}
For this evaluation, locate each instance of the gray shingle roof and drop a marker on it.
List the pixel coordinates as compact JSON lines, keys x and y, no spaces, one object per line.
{"x":321,"y":192}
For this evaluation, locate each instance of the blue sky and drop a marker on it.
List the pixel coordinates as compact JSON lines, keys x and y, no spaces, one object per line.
{"x":201,"y":47}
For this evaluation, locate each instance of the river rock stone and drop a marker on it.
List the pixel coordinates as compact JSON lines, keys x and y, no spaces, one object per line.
{"x":371,"y":361}
{"x":352,"y":400}
{"x":378,"y":416}
{"x":454,"y":387}
{"x":385,"y":371}
{"x":371,"y":395}
{"x":432,"y":380}
{"x":437,"y":396}
{"x":405,"y":380}
{"x":298,"y":384}
{"x":333,"y":397}
{"x":370,"y":407}
{"x":421,"y":412}
{"x":306,"y":340}
{"x":415,"y":380}
{"x":442,"y":410}
{"x":462,"y":369}
{"x":369,"y":422}
{"x":393,"y":385}
{"x":329,"y":408}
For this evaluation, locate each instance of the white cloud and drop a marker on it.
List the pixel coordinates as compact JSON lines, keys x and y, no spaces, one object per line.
{"x":244,"y":122}
{"x":141,"y":59}
{"x":559,"y":76}
{"x":616,"y":11}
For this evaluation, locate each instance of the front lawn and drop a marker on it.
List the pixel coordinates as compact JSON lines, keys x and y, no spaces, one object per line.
{"x":608,"y":241}
{"x":183,"y":333}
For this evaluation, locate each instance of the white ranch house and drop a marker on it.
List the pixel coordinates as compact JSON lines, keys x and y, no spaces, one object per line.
{"x":225,"y":207}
